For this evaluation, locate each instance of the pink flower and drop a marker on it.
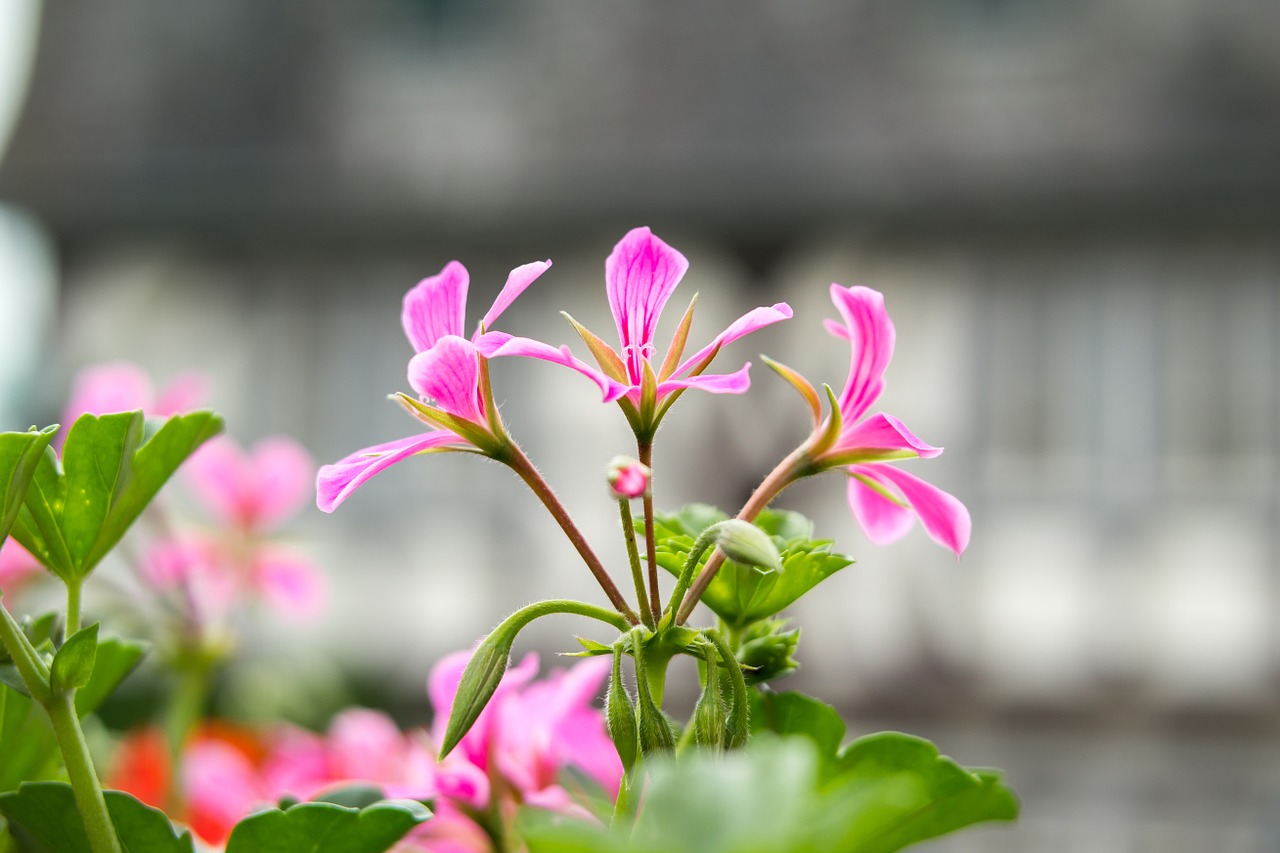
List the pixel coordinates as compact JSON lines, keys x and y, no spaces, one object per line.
{"x":449,"y":372}
{"x":885,"y":499}
{"x":120,"y":386}
{"x":254,"y":490}
{"x":529,"y":732}
{"x":640,"y":275}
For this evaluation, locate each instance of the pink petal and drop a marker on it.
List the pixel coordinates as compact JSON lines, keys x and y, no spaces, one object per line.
{"x":297,"y":765}
{"x":746,"y":324}
{"x":520,"y":278}
{"x":496,"y":344}
{"x":449,"y":374}
{"x":17,"y":566}
{"x":436,"y":307}
{"x":883,"y":520}
{"x":219,"y":781}
{"x":944,"y":517}
{"x":256,"y":490}
{"x":640,"y":275}
{"x":882,"y":433}
{"x":185,"y":393}
{"x":335,"y":483}
{"x":366,"y":745}
{"x":871,"y":333}
{"x":290,"y":584}
{"x":715,"y":383}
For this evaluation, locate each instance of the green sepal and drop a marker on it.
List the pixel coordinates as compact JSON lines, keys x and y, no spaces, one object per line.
{"x":832,"y":429}
{"x":74,"y":514}
{"x":49,"y":822}
{"x":321,"y":827}
{"x":20,"y":454}
{"x":802,"y":385}
{"x":72,"y":666}
{"x":674,"y":352}
{"x":590,"y":649}
{"x":484,"y":440}
{"x":610,"y":362}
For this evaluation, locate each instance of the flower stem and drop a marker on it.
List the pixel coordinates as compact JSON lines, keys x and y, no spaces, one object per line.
{"x":644,"y":449}
{"x":84,"y":780}
{"x":784,"y":474}
{"x":73,"y":606}
{"x":534,"y":480}
{"x":633,"y":556}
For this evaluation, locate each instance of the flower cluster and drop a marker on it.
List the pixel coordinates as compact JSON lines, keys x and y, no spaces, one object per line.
{"x":534,"y":730}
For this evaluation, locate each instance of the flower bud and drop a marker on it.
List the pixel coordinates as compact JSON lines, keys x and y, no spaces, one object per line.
{"x":745,"y":543}
{"x":620,"y":716}
{"x":627,"y":478}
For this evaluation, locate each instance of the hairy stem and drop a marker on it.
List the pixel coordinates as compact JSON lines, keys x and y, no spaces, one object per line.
{"x":644,"y":449}
{"x":633,"y":557}
{"x":84,"y":780}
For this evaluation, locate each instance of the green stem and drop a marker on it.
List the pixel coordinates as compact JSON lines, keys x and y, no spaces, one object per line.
{"x":784,"y":474}
{"x":700,"y":546}
{"x":73,"y":606}
{"x":184,"y":712}
{"x":534,"y":480}
{"x":633,"y":556}
{"x":84,"y":780}
{"x":644,"y":449}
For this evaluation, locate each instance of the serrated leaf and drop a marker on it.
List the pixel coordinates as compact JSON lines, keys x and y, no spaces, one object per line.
{"x":73,"y":664}
{"x":47,"y":813}
{"x":74,"y":515}
{"x":945,"y":796}
{"x":741,"y":594}
{"x":327,"y":828}
{"x":20,"y":454}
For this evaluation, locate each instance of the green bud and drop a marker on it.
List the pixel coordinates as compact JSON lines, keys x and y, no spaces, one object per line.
{"x":745,"y":543}
{"x":654,"y":730}
{"x":709,"y":724}
{"x":479,"y":681}
{"x":766,"y":651}
{"x":620,"y":716}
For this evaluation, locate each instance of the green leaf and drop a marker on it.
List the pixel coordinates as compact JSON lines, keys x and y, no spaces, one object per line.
{"x":794,"y":713}
{"x":934,"y":795}
{"x":73,"y":664}
{"x":327,"y":828}
{"x":742,"y":594}
{"x":20,"y":454}
{"x":75,"y":514}
{"x":26,"y":741}
{"x":46,"y":812}
{"x":116,"y":658}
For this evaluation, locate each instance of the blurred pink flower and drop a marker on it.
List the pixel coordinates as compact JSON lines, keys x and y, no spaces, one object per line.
{"x":120,"y":386}
{"x":17,"y":567}
{"x":884,"y":498}
{"x":256,"y":489}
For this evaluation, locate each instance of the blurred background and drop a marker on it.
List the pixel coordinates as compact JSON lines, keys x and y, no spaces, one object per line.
{"x":1072,"y":208}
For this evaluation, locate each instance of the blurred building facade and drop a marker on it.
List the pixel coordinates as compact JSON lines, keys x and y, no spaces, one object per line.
{"x":1071,"y":207}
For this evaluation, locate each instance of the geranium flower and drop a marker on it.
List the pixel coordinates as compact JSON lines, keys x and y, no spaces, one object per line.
{"x":120,"y":386}
{"x":254,"y":490}
{"x":450,"y":373}
{"x":17,"y":566}
{"x":884,"y":498}
{"x":640,"y":275}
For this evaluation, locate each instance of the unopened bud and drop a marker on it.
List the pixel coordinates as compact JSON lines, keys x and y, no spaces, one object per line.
{"x":766,"y":651}
{"x":620,"y":716}
{"x":745,"y":543}
{"x":628,"y":478}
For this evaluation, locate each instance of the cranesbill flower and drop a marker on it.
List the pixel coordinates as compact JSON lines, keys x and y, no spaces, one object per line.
{"x":884,"y":498}
{"x":253,"y":490}
{"x":450,"y":373}
{"x":640,"y":275}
